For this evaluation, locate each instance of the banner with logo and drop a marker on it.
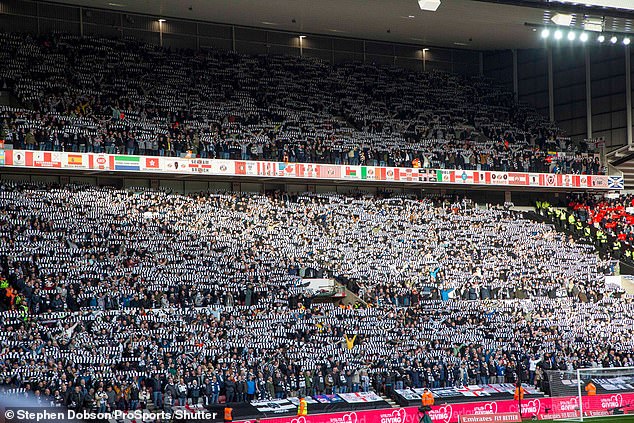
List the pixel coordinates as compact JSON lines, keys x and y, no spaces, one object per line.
{"x":491,"y":418}
{"x":199,"y":165}
{"x":287,"y":169}
{"x":175,"y":165}
{"x":98,"y":161}
{"x":76,"y":160}
{"x":540,"y":408}
{"x":361,"y":397}
{"x":52,"y":159}
{"x":151,"y":163}
{"x":132,"y":163}
{"x":499,"y":178}
{"x":194,"y":166}
{"x":466,"y":176}
{"x":329,"y":171}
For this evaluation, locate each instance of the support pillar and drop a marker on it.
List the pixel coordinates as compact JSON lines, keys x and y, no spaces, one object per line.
{"x":551,"y":89}
{"x":515,"y":79}
{"x":628,"y":93}
{"x":588,"y":96}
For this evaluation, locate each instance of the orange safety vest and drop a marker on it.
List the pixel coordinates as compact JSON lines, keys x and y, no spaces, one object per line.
{"x":591,"y":389}
{"x":228,"y":414}
{"x":519,"y":393}
{"x":428,"y":398}
{"x":302,"y":409}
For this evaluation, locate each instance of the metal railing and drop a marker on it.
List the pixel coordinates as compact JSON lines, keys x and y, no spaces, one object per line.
{"x":613,"y":170}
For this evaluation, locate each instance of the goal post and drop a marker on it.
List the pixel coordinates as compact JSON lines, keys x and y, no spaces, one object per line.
{"x":589,"y":394}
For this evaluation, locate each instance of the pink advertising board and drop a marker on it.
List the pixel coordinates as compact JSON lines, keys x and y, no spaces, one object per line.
{"x":543,"y":408}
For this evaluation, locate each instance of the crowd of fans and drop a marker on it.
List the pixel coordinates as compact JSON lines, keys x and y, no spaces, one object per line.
{"x":608,"y":219}
{"x":114,"y":298}
{"x":615,"y":214}
{"x":89,"y":94}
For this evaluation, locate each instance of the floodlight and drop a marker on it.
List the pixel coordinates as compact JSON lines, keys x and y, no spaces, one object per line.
{"x":583,"y":37}
{"x":545,"y":32}
{"x":571,"y":36}
{"x":558,"y":35}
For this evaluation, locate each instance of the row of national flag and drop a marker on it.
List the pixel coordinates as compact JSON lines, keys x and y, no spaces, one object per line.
{"x":528,"y":179}
{"x":108,"y":162}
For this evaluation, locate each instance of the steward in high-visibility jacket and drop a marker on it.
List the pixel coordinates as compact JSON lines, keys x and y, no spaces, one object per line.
{"x":519,"y":393}
{"x":302,"y":408}
{"x":427,"y":399}
{"x":591,"y":389}
{"x":228,"y":414}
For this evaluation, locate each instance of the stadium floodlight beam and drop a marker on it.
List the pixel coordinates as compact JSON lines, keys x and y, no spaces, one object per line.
{"x":558,"y":35}
{"x":626,"y":41}
{"x":601,"y":38}
{"x":562,"y":19}
{"x":613,"y":40}
{"x":583,"y":37}
{"x":545,"y":33}
{"x":572,"y":36}
{"x":429,"y":5}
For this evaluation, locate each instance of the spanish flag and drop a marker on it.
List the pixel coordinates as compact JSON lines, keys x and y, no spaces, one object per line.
{"x":75,"y":159}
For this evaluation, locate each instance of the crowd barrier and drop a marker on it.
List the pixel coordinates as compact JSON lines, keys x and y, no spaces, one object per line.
{"x":311,"y":171}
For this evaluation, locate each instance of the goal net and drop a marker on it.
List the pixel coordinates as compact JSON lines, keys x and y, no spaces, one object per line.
{"x":588,"y":394}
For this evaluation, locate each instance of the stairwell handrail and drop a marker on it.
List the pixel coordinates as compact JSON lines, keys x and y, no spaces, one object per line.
{"x":617,"y":150}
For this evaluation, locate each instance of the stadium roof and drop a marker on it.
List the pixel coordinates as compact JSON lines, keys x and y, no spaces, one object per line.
{"x":473,"y":24}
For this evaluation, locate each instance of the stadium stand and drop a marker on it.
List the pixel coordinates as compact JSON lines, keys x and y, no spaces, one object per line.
{"x":201,"y":289}
{"x":87,"y":94}
{"x":117,"y":298}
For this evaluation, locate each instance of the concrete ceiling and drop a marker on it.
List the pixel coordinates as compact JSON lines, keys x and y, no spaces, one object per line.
{"x":468,"y":24}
